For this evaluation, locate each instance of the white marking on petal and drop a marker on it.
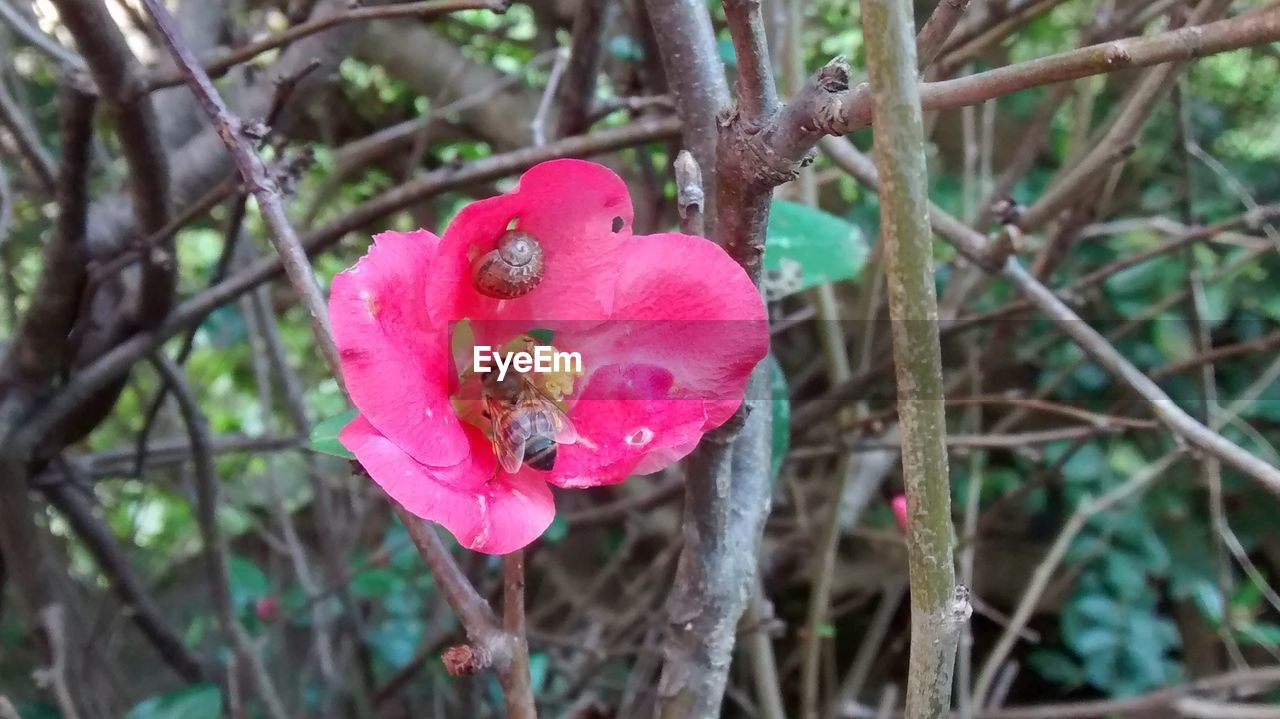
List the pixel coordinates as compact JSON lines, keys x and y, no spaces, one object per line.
{"x":483,"y":536}
{"x":639,"y":437}
{"x":370,"y":302}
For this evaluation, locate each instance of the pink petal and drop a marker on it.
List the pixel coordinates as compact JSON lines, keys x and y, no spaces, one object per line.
{"x":395,"y":355}
{"x":627,"y":417}
{"x":572,"y":207}
{"x":486,"y":513}
{"x":899,"y":504}
{"x":682,"y":304}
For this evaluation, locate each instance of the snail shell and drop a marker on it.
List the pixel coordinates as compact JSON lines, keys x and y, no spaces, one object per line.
{"x":511,"y":270}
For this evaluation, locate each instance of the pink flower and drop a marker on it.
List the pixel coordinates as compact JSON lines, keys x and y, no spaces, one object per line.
{"x":267,"y":609}
{"x":668,"y":328}
{"x":899,"y":504}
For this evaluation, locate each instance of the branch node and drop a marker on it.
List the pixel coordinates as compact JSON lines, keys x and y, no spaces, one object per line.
{"x":1117,"y":55}
{"x":750,"y":153}
{"x":834,"y":76}
{"x":689,"y":195}
{"x":961,"y":608}
{"x":465,"y":660}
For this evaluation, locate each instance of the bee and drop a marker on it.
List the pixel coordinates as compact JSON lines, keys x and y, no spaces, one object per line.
{"x":527,"y":425}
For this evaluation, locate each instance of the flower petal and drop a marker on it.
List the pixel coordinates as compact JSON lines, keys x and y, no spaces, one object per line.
{"x":395,"y":355}
{"x":682,"y":304}
{"x":580,"y":212}
{"x":489,"y":514}
{"x":626,"y":417}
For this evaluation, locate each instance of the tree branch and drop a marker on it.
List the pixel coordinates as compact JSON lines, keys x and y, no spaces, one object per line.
{"x":835,"y":108}
{"x":586,"y":49}
{"x":40,"y":350}
{"x":517,"y":689}
{"x":424,"y":10}
{"x":937,"y":29}
{"x":728,"y":485}
{"x":38,"y":39}
{"x":113,"y":561}
{"x":486,"y":634}
{"x":756,"y":92}
{"x":115,"y":363}
{"x":118,"y":76}
{"x":938,"y":607}
{"x":28,"y":141}
{"x":696,"y":75}
{"x":974,"y":247}
{"x":207,"y":498}
{"x":261,"y":183}
{"x":1116,"y":142}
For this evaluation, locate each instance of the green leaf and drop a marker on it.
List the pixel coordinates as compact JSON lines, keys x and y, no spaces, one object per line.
{"x":1095,"y":640}
{"x":806,"y":247}
{"x":376,"y":583}
{"x":557,"y":530}
{"x":1056,"y":667}
{"x":395,"y":641}
{"x":1259,"y":633}
{"x":625,"y":47}
{"x":781,"y":429}
{"x":324,"y":437}
{"x":202,"y":701}
{"x":1209,"y":600}
{"x":727,"y":54}
{"x":539,"y":663}
{"x":248,"y":582}
{"x":38,"y":710}
{"x":543,"y":335}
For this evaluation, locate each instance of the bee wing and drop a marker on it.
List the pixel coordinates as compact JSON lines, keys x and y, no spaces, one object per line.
{"x":564,"y":431}
{"x":510,"y":455}
{"x":509,"y":451}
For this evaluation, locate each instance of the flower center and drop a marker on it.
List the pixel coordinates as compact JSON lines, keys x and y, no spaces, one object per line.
{"x":525,"y":373}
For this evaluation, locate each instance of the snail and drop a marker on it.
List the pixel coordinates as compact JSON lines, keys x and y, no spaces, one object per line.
{"x":512,"y":269}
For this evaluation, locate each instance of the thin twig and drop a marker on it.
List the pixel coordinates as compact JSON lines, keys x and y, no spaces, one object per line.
{"x":425,"y":9}
{"x":113,"y":561}
{"x":728,"y":483}
{"x":1048,"y":566}
{"x":207,"y":499}
{"x":1157,"y":703}
{"x":576,"y":97}
{"x":261,"y":183}
{"x":115,"y":363}
{"x":938,"y":607}
{"x":974,"y":246}
{"x":53,"y":621}
{"x":477,"y":618}
{"x":13,"y":119}
{"x":41,"y":349}
{"x":538,"y":126}
{"x":937,"y":30}
{"x":39,"y":40}
{"x":517,"y":691}
{"x":696,"y":76}
{"x":117,"y":74}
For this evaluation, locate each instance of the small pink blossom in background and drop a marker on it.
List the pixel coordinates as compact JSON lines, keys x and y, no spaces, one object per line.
{"x":668,"y":327}
{"x":267,"y":609}
{"x":899,"y":504}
